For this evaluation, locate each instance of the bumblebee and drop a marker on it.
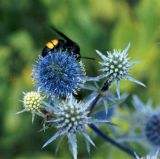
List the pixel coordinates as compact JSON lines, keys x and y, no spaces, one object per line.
{"x":64,"y":44}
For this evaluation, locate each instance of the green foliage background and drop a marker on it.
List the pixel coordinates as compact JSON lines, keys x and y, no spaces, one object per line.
{"x":93,"y":24}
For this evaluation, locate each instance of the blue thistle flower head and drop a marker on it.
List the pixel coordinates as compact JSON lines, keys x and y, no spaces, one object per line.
{"x":149,"y":119}
{"x":58,"y":74}
{"x":71,"y":117}
{"x":116,"y":66}
{"x":146,"y":119}
{"x":152,"y":129}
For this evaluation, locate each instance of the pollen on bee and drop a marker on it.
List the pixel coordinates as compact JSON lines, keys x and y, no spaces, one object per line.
{"x":50,"y":45}
{"x":54,"y":42}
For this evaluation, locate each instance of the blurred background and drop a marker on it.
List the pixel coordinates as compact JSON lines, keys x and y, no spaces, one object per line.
{"x":93,"y":24}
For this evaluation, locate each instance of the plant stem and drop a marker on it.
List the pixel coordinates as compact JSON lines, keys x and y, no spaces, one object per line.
{"x":103,"y":91}
{"x":112,"y":141}
{"x":127,"y":150}
{"x":94,"y":104}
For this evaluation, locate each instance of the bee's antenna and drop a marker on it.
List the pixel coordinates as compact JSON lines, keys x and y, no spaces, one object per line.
{"x":60,"y":33}
{"x":89,"y":58}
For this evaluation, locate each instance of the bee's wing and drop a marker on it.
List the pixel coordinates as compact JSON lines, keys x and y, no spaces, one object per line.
{"x":61,"y":34}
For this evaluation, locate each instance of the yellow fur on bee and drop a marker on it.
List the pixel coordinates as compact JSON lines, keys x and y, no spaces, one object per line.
{"x":50,"y":45}
{"x":55,"y":42}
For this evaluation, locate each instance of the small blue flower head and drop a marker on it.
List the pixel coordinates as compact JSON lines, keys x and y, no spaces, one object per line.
{"x":116,"y":66}
{"x":152,"y":129}
{"x":32,"y":102}
{"x":149,"y":118}
{"x":146,"y":119}
{"x":70,"y":117}
{"x":58,"y":74}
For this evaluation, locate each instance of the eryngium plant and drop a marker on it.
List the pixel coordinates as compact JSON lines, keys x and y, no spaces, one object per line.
{"x":57,"y":77}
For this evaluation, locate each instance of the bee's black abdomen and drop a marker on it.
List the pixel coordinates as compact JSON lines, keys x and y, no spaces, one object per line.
{"x":73,"y":49}
{"x":45,"y":51}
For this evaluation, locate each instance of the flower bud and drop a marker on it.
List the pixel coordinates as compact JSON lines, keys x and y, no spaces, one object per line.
{"x":32,"y":101}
